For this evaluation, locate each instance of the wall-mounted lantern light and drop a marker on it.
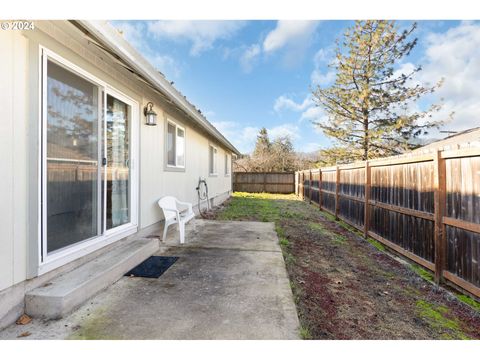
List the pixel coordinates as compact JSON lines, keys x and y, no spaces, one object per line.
{"x":150,"y":115}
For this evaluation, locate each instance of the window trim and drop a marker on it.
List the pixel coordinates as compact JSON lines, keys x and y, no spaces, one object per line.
{"x":228,"y":162}
{"x":212,"y":174}
{"x":177,"y":125}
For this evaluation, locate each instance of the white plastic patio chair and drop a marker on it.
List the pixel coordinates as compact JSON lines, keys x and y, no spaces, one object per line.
{"x":173,"y":215}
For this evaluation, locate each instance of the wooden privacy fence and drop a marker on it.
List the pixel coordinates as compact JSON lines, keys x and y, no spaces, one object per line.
{"x":271,"y":182}
{"x":426,"y":207}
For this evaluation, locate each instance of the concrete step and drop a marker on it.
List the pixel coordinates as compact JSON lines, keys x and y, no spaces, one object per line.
{"x":68,"y":291}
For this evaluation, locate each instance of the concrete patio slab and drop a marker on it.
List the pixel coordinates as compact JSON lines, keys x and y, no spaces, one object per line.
{"x":229,"y":282}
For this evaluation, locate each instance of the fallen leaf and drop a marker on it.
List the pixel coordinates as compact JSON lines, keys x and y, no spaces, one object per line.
{"x":23,"y":320}
{"x":25,"y":334}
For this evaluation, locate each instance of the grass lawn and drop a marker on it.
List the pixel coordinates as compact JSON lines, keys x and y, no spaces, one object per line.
{"x":346,"y":287}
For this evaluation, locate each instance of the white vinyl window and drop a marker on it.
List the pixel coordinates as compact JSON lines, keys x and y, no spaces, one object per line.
{"x":227,"y":165}
{"x":213,"y":160}
{"x":175,"y":145}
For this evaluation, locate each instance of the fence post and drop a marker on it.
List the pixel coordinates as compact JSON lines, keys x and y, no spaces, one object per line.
{"x":295,"y":183}
{"x":304,"y":192}
{"x":439,"y":188}
{"x":320,"y":188}
{"x":307,"y":179}
{"x":337,"y":190}
{"x":368,"y":181}
{"x":302,"y":176}
{"x":264,"y":182}
{"x":304,"y":195}
{"x":310,"y":186}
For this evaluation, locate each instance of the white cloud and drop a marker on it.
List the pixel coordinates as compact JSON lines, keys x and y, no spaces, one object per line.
{"x":136,"y":34}
{"x":283,"y":102}
{"x":244,"y":137}
{"x":201,"y":33}
{"x":322,"y":75}
{"x":164,"y":63}
{"x":132,"y":32}
{"x":224,"y":127}
{"x":292,"y":36}
{"x":309,"y":110}
{"x":289,"y":33}
{"x":209,"y":114}
{"x":314,"y":113}
{"x":404,"y":69}
{"x":322,"y":79}
{"x":310,"y":147}
{"x":247,"y":138}
{"x":455,"y":56}
{"x":323,"y":56}
{"x":249,"y":56}
{"x":290,"y":130}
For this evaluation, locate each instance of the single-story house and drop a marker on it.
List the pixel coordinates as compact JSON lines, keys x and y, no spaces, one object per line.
{"x":92,"y":136}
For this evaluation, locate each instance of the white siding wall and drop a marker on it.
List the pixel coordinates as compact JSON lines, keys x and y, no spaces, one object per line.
{"x":156,"y":182}
{"x":16,"y":119}
{"x":13,"y":155}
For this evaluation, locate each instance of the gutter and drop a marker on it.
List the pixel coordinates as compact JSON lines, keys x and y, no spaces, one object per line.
{"x":111,"y":38}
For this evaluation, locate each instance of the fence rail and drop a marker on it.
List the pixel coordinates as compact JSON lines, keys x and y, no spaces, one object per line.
{"x":426,"y":207}
{"x":271,"y":182}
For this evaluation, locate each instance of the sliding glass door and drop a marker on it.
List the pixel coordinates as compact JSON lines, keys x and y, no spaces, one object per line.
{"x":73,"y":120}
{"x":86,"y":159}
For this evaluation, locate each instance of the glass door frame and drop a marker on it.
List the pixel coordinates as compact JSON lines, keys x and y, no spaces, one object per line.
{"x":104,"y":237}
{"x":134,"y":110}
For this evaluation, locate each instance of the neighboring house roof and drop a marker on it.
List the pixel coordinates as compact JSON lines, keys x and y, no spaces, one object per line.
{"x":110,"y":38}
{"x":462,"y":139}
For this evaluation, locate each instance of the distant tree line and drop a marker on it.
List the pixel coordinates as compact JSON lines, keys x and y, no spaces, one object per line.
{"x":277,"y":155}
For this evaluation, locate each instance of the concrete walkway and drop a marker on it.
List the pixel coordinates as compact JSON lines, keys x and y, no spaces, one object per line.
{"x":230,"y":282}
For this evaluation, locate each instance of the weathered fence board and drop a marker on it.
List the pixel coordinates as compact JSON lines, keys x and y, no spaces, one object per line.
{"x":256,"y":182}
{"x":426,"y":207}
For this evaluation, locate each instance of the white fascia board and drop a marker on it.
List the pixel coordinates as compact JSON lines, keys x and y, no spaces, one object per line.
{"x":110,"y":38}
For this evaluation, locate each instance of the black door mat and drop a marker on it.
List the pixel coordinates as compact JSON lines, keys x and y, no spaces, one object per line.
{"x":153,"y":267}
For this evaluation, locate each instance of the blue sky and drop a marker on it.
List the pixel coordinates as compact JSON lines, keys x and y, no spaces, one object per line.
{"x":245,"y":75}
